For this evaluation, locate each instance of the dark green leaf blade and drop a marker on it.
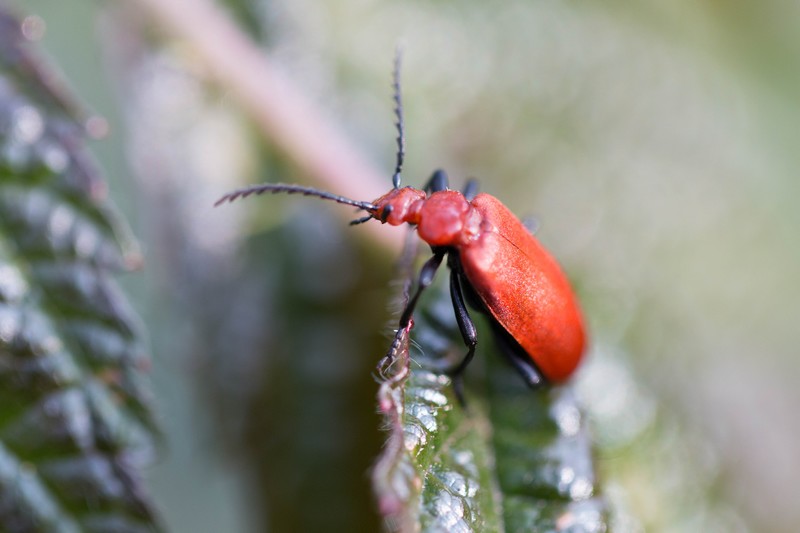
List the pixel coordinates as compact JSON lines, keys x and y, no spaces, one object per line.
{"x":75,"y":421}
{"x":513,"y":460}
{"x":545,"y":464}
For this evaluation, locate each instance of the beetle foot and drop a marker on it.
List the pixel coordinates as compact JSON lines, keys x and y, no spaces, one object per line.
{"x":458,"y":389}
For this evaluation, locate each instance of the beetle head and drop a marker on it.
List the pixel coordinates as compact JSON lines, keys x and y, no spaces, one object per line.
{"x":398,"y":206}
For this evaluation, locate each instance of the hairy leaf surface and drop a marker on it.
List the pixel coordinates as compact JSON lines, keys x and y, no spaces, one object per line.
{"x":511,"y":460}
{"x":75,"y":421}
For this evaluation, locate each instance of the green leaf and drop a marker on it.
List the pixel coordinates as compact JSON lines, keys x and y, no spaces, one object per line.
{"x":75,"y":421}
{"x":512,"y":459}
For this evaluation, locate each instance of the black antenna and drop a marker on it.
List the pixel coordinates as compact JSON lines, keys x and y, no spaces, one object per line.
{"x":398,"y":113}
{"x":293,"y":189}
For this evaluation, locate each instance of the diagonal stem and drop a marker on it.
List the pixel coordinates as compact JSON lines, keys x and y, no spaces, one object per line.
{"x":279,"y":106}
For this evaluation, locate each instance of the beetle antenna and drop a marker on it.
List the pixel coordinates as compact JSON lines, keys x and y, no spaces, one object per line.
{"x":293,"y":189}
{"x":398,"y":113}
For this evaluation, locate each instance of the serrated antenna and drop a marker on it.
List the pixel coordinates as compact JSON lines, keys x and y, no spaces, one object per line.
{"x":293,"y":189}
{"x":398,"y":113}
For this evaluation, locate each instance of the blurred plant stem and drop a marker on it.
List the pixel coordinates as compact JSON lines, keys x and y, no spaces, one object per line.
{"x":279,"y":107}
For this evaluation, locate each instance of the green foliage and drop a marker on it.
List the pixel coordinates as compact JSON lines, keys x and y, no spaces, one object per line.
{"x":74,"y":417}
{"x":512,"y":460}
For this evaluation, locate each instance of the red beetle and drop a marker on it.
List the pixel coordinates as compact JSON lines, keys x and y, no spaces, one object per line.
{"x":493,"y":259}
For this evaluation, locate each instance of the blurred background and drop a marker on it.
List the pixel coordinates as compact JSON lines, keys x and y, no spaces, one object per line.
{"x":656,"y":144}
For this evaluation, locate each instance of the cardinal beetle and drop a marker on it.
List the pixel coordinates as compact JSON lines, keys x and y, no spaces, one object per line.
{"x":494,"y":261}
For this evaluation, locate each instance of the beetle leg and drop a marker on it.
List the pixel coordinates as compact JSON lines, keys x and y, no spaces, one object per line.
{"x":426,"y":275}
{"x":465,"y":324}
{"x":531,"y":376}
{"x":519,"y":359}
{"x":470,"y":189}
{"x":438,"y":182}
{"x":531,"y":224}
{"x":458,"y":389}
{"x":468,"y":332}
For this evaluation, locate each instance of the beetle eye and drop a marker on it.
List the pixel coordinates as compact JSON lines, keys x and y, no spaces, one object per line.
{"x":386,"y":212}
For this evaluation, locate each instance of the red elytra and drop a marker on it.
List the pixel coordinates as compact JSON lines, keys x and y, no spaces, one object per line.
{"x":518,"y":282}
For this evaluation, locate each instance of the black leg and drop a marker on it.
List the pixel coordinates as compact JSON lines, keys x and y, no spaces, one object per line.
{"x":465,"y":324}
{"x":426,"y":275}
{"x":470,"y":189}
{"x":531,"y":224}
{"x":438,"y":182}
{"x":520,"y":360}
{"x":458,"y":389}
